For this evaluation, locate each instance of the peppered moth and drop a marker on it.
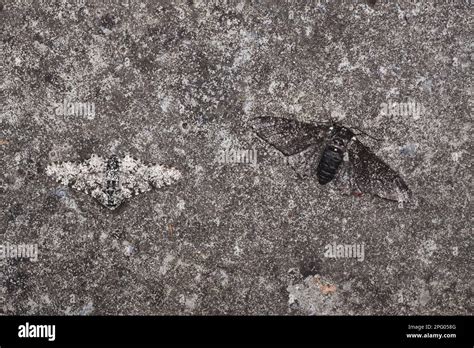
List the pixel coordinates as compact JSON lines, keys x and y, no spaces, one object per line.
{"x":332,"y":152}
{"x":112,"y":181}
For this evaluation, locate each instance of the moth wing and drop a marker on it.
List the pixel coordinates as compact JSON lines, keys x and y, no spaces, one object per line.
{"x":86,"y":176}
{"x":344,"y":180}
{"x":305,"y":162}
{"x":137,"y":177}
{"x":159,"y":176}
{"x":289,"y":136}
{"x":133,"y":177}
{"x":367,"y":173}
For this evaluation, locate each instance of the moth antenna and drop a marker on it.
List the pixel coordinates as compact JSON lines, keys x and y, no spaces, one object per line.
{"x":370,"y":136}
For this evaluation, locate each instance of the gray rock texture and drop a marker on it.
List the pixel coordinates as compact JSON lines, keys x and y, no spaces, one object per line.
{"x":176,"y":83}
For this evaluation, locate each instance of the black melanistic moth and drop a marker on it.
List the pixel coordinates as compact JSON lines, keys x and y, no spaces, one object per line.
{"x":332,"y":153}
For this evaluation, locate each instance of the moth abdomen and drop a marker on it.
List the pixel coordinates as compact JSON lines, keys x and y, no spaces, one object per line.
{"x":329,"y":164}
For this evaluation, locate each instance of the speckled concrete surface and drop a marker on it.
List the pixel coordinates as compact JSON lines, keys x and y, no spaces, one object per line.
{"x":177,"y":82}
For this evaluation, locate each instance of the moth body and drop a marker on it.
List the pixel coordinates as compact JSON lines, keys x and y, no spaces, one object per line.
{"x":112,"y":182}
{"x":333,"y":154}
